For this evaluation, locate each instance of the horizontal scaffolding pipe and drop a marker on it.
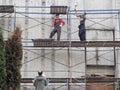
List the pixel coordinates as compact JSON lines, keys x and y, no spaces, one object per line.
{"x":70,"y":10}
{"x":80,"y":12}
{"x":68,"y":13}
{"x":97,"y":10}
{"x":95,"y":13}
{"x":32,"y":6}
{"x":100,"y":11}
{"x":109,"y":11}
{"x":33,"y":13}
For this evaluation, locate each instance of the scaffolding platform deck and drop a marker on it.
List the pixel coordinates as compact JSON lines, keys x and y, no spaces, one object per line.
{"x":52,"y":43}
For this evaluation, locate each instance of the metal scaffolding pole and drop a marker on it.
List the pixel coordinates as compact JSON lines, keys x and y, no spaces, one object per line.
{"x":85,"y":44}
{"x":26,"y":36}
{"x":43,"y":3}
{"x":69,"y":49}
{"x":107,"y":11}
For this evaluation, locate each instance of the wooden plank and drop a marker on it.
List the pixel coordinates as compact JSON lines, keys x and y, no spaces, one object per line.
{"x":58,"y":9}
{"x":100,"y":66}
{"x":100,"y":86}
{"x":6,"y":8}
{"x":52,"y":43}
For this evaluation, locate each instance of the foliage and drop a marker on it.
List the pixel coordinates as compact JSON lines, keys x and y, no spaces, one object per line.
{"x":2,"y":63}
{"x":13,"y":60}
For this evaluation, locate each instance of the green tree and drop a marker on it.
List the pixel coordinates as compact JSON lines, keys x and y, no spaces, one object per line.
{"x":2,"y":63}
{"x":13,"y":60}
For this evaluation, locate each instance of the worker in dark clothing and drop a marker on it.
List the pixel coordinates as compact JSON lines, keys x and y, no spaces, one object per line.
{"x":82,"y":29}
{"x":57,"y":24}
{"x":40,"y":82}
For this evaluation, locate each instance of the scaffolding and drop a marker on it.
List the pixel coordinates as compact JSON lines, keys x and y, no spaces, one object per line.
{"x":68,"y":44}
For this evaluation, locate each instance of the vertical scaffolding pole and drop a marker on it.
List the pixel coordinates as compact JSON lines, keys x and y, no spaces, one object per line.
{"x":67,"y":84}
{"x":3,"y":21}
{"x":114,"y":48}
{"x":85,"y":49}
{"x":85,"y":67}
{"x":10,"y":20}
{"x":119,"y":21}
{"x":43,"y":3}
{"x":9,"y":23}
{"x":26,"y":37}
{"x":69,"y":70}
{"x":14,"y":20}
{"x":69,"y":48}
{"x":53,"y":53}
{"x":68,"y":26}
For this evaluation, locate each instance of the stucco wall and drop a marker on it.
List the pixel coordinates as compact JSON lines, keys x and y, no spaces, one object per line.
{"x":54,"y":61}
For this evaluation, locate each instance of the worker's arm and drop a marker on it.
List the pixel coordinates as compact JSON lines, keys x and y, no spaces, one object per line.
{"x":62,"y":22}
{"x":76,"y":14}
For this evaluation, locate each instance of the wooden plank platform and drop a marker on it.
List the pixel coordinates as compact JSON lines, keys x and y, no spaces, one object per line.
{"x":52,"y":43}
{"x":6,"y":9}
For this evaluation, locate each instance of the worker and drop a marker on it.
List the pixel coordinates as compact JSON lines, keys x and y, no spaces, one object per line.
{"x":82,"y":29}
{"x":40,"y":81}
{"x":57,"y":24}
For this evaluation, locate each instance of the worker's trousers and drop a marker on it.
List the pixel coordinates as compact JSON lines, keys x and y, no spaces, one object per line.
{"x":82,"y":32}
{"x":56,"y":30}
